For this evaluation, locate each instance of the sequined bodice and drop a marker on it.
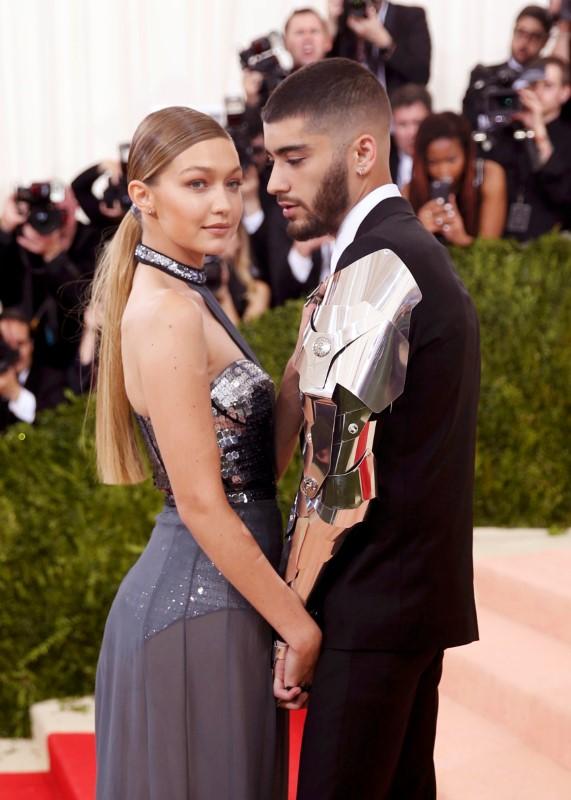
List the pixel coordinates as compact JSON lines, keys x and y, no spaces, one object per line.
{"x":242,"y":400}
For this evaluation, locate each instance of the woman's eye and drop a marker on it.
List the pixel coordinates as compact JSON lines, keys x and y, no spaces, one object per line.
{"x":235,"y":184}
{"x":197,"y":184}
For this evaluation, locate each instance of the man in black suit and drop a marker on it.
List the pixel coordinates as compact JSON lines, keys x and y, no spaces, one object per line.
{"x":399,"y":590}
{"x":530,"y":35}
{"x":25,"y":387}
{"x":392,"y":40}
{"x":410,"y":104}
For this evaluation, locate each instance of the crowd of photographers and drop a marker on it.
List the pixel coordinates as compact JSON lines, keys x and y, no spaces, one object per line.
{"x":500,"y":166}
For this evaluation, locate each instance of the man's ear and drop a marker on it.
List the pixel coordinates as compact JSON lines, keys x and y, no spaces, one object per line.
{"x":364,"y":154}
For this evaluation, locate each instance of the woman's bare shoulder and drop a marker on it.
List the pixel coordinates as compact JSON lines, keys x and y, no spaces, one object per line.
{"x":162,"y":310}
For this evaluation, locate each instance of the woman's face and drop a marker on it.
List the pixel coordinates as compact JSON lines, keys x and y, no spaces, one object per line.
{"x":445,"y":159}
{"x":197,"y":200}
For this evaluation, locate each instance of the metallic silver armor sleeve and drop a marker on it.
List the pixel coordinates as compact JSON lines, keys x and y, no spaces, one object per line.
{"x":352,"y":364}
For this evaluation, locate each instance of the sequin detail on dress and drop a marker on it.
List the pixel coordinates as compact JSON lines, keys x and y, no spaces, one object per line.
{"x":242,"y":399}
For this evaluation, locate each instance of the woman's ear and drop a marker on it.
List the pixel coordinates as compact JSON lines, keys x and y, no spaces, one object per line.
{"x":142,"y":196}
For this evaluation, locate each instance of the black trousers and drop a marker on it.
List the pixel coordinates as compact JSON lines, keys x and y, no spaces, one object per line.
{"x":370,"y":728}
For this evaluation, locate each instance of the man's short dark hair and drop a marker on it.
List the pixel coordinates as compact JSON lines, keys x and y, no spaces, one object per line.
{"x":307,"y":10}
{"x":333,"y":89}
{"x":409,"y":94}
{"x":16,"y":314}
{"x":541,"y":63}
{"x":538,"y":13}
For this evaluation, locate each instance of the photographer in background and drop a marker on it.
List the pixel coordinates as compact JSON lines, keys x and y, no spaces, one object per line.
{"x":561,"y":11}
{"x":530,"y":35}
{"x":392,"y":40}
{"x":411,"y":104}
{"x":456,"y":195}
{"x":104,"y":213}
{"x":47,"y":262}
{"x":25,"y":387}
{"x":306,"y":38}
{"x":541,"y":192}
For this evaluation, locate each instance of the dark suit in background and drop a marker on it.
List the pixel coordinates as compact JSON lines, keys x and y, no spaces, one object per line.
{"x":400,"y":589}
{"x":409,"y":61}
{"x":47,"y":386}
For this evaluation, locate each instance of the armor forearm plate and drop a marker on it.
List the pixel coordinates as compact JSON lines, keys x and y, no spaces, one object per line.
{"x":352,"y":365}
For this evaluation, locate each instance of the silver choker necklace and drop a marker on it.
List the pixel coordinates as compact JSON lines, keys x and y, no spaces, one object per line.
{"x":146,"y":255}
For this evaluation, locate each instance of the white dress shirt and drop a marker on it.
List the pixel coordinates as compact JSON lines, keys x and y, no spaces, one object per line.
{"x":355,"y":217}
{"x":25,"y":406}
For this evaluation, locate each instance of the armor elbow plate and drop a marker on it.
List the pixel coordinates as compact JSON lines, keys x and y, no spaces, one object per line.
{"x":352,"y":365}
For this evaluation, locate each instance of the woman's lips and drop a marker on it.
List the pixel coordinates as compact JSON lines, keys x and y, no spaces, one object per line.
{"x":219,"y":230}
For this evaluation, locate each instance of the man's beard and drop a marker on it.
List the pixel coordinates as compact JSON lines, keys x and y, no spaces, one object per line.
{"x":329,"y":206}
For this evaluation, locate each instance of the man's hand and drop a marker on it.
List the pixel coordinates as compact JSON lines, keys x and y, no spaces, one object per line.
{"x":13,"y":215}
{"x":48,"y":246}
{"x":371,"y":29}
{"x":305,"y":249}
{"x":251,"y":191}
{"x":252,"y":83}
{"x":532,"y":117}
{"x":9,"y":385}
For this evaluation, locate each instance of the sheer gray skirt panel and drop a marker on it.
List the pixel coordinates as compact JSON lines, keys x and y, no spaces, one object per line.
{"x":184,"y":705}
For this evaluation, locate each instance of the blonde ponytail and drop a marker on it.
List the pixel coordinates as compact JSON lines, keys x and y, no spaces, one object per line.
{"x":119,"y":458}
{"x":160,"y":137}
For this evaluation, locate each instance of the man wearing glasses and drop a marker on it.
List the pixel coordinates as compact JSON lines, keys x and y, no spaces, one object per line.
{"x":530,"y":35}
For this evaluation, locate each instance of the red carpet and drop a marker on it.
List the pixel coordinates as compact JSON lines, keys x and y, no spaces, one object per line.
{"x":27,"y":786}
{"x":72,"y":768}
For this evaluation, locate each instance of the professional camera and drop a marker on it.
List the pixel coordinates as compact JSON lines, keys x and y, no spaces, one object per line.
{"x":41,"y":198}
{"x":264,"y":55}
{"x":356,"y":8}
{"x":237,"y":127}
{"x":8,"y":356}
{"x":117,"y":192}
{"x":497,"y":93}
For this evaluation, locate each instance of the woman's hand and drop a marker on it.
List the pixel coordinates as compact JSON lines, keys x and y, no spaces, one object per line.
{"x":293,"y":673}
{"x":428,"y":214}
{"x":452,"y":224}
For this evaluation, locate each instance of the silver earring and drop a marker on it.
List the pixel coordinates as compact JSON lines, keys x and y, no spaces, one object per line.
{"x":360,"y":170}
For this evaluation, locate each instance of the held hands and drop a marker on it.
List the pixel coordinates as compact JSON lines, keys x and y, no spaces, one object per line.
{"x":293,"y":672}
{"x":371,"y":29}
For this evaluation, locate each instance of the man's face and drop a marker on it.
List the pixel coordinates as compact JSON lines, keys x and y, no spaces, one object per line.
{"x":528,"y":39}
{"x":17,"y":335}
{"x":307,"y":40}
{"x":552,"y":92}
{"x":309,"y":178}
{"x":406,"y":121}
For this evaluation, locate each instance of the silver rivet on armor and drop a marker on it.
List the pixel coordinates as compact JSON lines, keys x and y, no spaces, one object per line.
{"x":353,"y":428}
{"x":321,"y":346}
{"x":309,"y":487}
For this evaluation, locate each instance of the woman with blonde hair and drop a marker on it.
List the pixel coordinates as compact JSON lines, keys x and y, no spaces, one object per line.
{"x":184,"y":705}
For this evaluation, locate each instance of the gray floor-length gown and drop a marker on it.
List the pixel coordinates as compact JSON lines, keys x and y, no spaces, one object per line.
{"x":184,"y":705}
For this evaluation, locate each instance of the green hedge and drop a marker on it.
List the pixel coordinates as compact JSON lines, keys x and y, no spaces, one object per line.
{"x":66,"y":541}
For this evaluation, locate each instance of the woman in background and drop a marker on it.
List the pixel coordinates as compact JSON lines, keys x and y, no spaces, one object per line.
{"x":457,"y":196}
{"x":184,"y":705}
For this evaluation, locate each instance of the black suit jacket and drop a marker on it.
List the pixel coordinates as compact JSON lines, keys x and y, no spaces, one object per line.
{"x":271,"y":245}
{"x":403,"y":578}
{"x":410,"y":61}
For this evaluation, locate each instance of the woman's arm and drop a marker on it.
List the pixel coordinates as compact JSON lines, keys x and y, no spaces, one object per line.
{"x":494,"y":206}
{"x":173,"y":367}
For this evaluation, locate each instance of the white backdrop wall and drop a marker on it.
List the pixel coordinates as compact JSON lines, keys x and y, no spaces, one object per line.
{"x":76,"y":76}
